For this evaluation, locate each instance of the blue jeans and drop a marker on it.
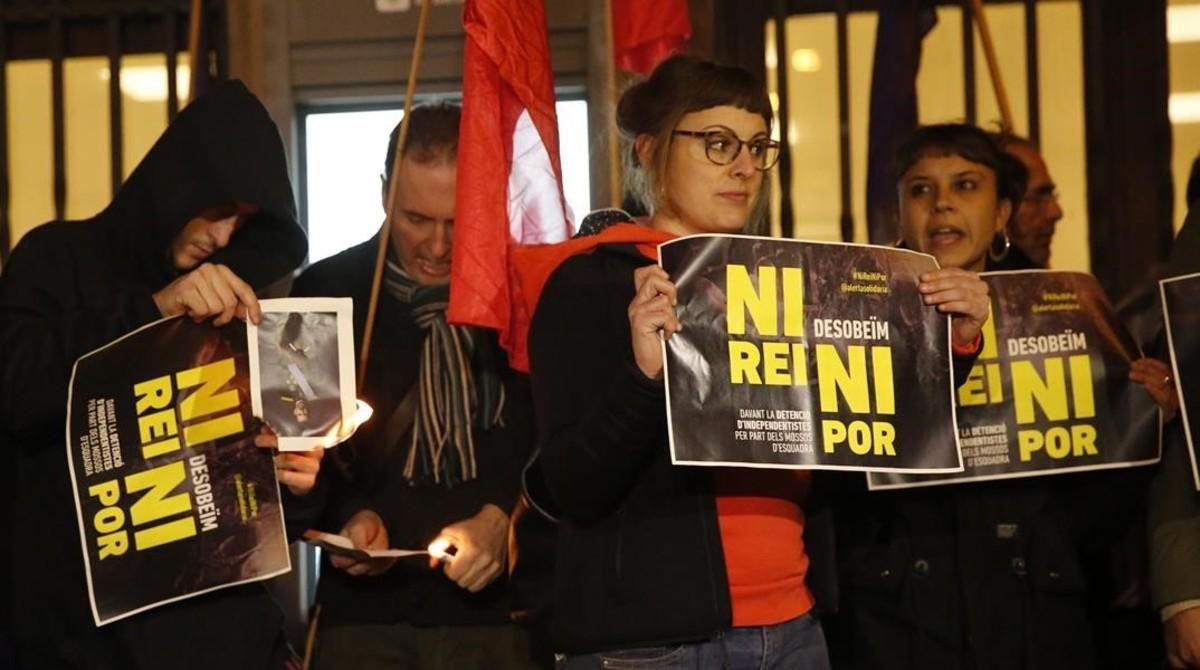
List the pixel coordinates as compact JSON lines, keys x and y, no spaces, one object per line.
{"x":798,"y":644}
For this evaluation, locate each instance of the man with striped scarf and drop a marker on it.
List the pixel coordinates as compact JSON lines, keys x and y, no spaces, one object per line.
{"x":442,"y":458}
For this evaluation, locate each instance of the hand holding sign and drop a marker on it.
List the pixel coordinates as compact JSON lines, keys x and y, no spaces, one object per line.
{"x":1155,"y":377}
{"x":962,"y":295}
{"x":651,"y":310}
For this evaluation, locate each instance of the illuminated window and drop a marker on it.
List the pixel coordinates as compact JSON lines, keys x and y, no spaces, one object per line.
{"x":1183,"y":44}
{"x":344,"y":153}
{"x":87,"y":139}
{"x":813,"y":126}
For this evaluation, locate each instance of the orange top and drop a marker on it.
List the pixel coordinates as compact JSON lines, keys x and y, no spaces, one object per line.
{"x":762,"y":527}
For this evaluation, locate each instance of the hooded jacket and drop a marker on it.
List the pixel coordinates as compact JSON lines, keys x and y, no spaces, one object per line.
{"x":71,"y":287}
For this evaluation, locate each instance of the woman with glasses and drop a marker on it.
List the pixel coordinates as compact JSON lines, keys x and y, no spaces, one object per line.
{"x":661,"y":566}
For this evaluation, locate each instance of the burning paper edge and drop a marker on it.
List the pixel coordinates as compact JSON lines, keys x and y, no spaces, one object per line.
{"x":342,"y":546}
{"x":336,"y":436}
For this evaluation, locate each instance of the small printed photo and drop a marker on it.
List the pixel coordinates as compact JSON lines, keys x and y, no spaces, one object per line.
{"x":302,"y":370}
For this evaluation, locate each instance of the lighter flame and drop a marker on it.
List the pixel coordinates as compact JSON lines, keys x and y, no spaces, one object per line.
{"x":438,"y":547}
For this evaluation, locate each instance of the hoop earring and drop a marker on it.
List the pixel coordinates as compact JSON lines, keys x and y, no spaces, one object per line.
{"x":998,"y":256}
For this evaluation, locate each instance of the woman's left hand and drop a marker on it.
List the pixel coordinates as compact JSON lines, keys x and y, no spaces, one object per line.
{"x":297,"y":470}
{"x":1155,"y":377}
{"x":962,"y":295}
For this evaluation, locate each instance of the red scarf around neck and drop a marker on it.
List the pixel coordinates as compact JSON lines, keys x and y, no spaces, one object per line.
{"x":533,"y":265}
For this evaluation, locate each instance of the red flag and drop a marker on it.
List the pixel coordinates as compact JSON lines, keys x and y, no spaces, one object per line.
{"x":647,"y":31}
{"x":509,"y":189}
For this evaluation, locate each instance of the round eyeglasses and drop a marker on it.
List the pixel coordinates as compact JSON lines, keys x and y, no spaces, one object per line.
{"x":722,"y":147}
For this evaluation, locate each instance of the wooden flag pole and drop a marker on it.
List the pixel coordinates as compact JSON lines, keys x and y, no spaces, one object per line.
{"x":614,"y":138}
{"x":195,"y":20}
{"x":989,"y":51}
{"x":385,"y":232}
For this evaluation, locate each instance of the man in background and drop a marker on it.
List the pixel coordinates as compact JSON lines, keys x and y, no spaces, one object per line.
{"x":1031,"y":228}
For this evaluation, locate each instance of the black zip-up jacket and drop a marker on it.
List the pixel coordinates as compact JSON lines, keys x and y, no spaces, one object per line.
{"x":355,"y":476}
{"x":996,"y":575}
{"x":639,"y":552}
{"x":73,"y":286}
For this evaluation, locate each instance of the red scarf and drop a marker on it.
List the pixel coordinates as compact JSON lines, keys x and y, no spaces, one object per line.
{"x":532,"y":266}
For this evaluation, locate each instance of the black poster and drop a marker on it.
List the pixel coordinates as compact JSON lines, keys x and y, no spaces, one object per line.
{"x":173,"y":497}
{"x":1050,"y":392}
{"x":806,"y":355}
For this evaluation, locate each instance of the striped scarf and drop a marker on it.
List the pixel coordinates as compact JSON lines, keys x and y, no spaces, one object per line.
{"x":459,"y":390}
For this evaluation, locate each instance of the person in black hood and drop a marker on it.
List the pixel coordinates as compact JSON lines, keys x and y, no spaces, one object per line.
{"x":205,"y":220}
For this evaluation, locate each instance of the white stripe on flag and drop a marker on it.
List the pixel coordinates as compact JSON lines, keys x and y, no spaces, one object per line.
{"x":535,"y":209}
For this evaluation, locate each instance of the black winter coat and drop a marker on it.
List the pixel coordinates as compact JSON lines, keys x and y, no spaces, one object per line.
{"x":1006,"y":575}
{"x":73,"y":286}
{"x":639,"y":558}
{"x":359,"y":475}
{"x":1002,"y":575}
